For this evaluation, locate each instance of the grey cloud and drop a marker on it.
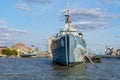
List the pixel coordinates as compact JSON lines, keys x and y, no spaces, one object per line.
{"x":87,"y":25}
{"x":89,"y":19}
{"x":89,"y":14}
{"x":8,"y":35}
{"x":4,"y":29}
{"x":2,"y":22}
{"x":115,"y":2}
{"x":117,"y":36}
{"x":39,"y":1}
{"x":22,"y":7}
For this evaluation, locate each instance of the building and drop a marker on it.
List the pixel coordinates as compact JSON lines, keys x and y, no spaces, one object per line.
{"x":20,"y":47}
{"x":118,"y":51}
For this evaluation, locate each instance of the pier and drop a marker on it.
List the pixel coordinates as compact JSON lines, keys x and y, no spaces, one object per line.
{"x":108,"y":56}
{"x":95,"y":59}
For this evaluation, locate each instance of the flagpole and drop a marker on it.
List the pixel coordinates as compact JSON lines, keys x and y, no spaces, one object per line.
{"x":68,"y":4}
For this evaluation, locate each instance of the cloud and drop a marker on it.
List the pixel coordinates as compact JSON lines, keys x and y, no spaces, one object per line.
{"x":117,"y":36}
{"x":89,"y":14}
{"x":88,"y":19}
{"x":4,"y":29}
{"x":23,"y":7}
{"x":39,"y":1}
{"x":87,"y":25}
{"x":2,"y":22}
{"x":8,"y":35}
{"x":115,"y":2}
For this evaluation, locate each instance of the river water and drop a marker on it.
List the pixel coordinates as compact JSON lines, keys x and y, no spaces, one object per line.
{"x":43,"y":69}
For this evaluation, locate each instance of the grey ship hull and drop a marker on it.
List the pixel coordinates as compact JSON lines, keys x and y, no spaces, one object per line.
{"x":65,"y":50}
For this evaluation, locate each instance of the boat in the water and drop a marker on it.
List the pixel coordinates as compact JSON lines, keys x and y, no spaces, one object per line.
{"x":1,"y":56}
{"x":68,"y":46}
{"x":26,"y":54}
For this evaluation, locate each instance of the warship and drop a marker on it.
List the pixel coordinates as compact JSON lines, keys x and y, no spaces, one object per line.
{"x":68,"y":46}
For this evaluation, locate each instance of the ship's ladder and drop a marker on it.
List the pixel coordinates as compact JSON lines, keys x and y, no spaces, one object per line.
{"x":78,"y":46}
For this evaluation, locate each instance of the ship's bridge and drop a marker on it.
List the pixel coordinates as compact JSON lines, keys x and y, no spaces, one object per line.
{"x":68,"y":30}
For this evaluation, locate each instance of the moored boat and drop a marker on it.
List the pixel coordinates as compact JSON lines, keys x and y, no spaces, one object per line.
{"x":1,"y":56}
{"x":68,"y":46}
{"x":26,"y":54}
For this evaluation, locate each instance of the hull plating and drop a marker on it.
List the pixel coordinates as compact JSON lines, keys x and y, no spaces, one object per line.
{"x":65,"y":50}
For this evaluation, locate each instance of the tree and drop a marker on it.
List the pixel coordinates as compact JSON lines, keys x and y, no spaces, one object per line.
{"x":14,"y":52}
{"x":9,"y":52}
{"x":6,"y":51}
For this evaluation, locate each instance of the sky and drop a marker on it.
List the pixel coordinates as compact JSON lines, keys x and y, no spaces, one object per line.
{"x":33,"y":21}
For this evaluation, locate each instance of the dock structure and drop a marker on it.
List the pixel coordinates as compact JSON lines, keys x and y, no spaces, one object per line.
{"x":109,"y":56}
{"x":94,"y":59}
{"x":44,"y":55}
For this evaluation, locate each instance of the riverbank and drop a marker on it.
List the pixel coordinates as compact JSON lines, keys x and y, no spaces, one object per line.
{"x":37,"y":55}
{"x":108,"y":56}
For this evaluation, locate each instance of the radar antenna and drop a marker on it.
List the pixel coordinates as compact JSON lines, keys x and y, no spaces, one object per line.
{"x":67,"y":13}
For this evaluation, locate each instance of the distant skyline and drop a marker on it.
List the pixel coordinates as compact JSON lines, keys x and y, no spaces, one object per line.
{"x":33,"y":21}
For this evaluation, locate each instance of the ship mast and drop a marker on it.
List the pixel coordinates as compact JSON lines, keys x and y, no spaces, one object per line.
{"x":67,"y":15}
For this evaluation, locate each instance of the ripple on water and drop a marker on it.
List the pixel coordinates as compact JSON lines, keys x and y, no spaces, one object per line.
{"x":42,"y":69}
